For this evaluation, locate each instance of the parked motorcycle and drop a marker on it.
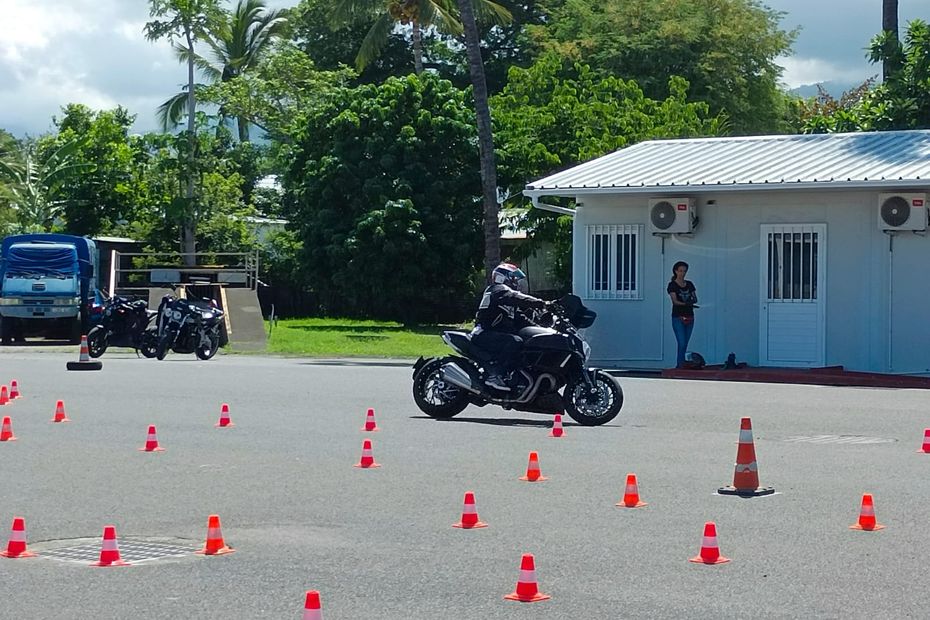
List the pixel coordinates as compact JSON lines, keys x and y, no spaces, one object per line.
{"x":122,"y":323}
{"x":188,"y":326}
{"x":550,"y":376}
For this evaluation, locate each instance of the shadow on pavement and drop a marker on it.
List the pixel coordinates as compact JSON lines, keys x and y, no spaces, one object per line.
{"x":509,"y":422}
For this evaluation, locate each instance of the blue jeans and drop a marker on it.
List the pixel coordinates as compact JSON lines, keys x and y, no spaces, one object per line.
{"x":682,"y":335}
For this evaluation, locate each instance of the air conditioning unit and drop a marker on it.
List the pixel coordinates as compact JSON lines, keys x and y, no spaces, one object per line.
{"x":902,"y":211}
{"x":671,"y":215}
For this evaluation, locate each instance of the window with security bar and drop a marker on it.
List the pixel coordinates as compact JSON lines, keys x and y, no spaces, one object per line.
{"x":614,"y":261}
{"x":792,"y":269}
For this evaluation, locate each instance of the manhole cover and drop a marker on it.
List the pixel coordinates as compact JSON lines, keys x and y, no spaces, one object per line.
{"x":840,"y":439}
{"x":132,"y":551}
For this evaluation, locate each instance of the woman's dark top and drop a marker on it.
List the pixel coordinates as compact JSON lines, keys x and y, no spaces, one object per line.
{"x":686,"y":294}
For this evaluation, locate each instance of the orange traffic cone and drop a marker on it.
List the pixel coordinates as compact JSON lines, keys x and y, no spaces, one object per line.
{"x":151,"y":443}
{"x":527,"y":590}
{"x":370,"y":425}
{"x":557,"y":427}
{"x":469,"y":514}
{"x":16,"y":547}
{"x":6,"y":431}
{"x":746,"y":474}
{"x":109,"y":551}
{"x":367,"y":461}
{"x":4,"y":396}
{"x":14,"y":390}
{"x":224,"y":417}
{"x":84,"y":362}
{"x":60,"y":415}
{"x":926,"y":447}
{"x":631,"y":495}
{"x":710,"y":552}
{"x":215,"y":544}
{"x":867,"y":520}
{"x":533,"y":473}
{"x":312,"y":608}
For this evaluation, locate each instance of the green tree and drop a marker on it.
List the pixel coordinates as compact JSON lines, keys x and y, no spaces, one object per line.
{"x":383,"y":190}
{"x":725,"y":49}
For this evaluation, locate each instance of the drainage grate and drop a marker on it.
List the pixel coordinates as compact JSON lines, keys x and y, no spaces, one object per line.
{"x":840,"y":439}
{"x":130,"y":551}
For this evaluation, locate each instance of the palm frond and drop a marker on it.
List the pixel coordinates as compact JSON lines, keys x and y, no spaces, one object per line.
{"x":346,"y":12}
{"x":206,"y":68}
{"x":374,"y":40}
{"x":490,"y":12}
{"x":170,"y":113}
{"x":440,"y":15}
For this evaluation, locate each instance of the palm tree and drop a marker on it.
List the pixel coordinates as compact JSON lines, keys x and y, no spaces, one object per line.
{"x":418,"y":14}
{"x":238,"y":42}
{"x":890,"y":30}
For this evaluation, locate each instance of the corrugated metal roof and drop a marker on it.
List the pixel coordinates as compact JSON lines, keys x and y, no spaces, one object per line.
{"x":851,"y":160}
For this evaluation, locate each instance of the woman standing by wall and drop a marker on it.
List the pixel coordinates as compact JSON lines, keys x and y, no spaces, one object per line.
{"x":684,"y":301}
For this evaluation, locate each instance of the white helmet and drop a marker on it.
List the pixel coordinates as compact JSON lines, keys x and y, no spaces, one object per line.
{"x":509,"y":275}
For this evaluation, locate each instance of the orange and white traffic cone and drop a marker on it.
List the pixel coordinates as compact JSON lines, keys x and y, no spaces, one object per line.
{"x":151,"y":442}
{"x":16,"y":546}
{"x":926,"y":447}
{"x":631,"y":494}
{"x":6,"y":430}
{"x":84,"y":362}
{"x":367,"y":461}
{"x":469,"y":514}
{"x":109,"y":551}
{"x":224,"y":417}
{"x":746,"y":473}
{"x":85,"y":355}
{"x":14,"y":390}
{"x":533,"y":473}
{"x":370,"y":425}
{"x":557,"y":427}
{"x":4,"y":396}
{"x":60,"y":415}
{"x":312,"y":608}
{"x":867,"y":520}
{"x":710,"y":552}
{"x":527,"y":590}
{"x":215,"y":544}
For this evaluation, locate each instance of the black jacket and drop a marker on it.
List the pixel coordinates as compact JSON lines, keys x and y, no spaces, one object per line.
{"x":499,"y":308}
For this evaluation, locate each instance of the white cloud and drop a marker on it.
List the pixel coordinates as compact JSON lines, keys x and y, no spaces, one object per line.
{"x":801,"y":71}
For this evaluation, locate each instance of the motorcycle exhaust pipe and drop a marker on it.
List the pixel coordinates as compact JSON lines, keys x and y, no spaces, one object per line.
{"x":454,"y":374}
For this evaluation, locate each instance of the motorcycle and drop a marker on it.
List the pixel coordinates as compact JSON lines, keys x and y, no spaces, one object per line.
{"x":188,"y":326}
{"x":550,"y":377}
{"x":122,"y":323}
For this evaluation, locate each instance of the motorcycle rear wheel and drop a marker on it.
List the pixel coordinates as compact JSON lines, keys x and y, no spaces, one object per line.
{"x":435,"y":397}
{"x":97,"y":341}
{"x":593,"y":409}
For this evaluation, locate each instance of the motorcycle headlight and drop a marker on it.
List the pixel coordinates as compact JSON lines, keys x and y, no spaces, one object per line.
{"x":177,"y":315}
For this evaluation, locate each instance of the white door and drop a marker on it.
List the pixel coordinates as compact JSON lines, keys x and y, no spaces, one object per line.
{"x":792,"y":305}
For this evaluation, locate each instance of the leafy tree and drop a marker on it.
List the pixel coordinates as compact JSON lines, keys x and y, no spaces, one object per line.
{"x":725,"y":49}
{"x":382,"y":188}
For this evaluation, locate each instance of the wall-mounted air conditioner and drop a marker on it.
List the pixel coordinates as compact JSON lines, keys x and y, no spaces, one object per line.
{"x":671,"y":215}
{"x":902,"y":212}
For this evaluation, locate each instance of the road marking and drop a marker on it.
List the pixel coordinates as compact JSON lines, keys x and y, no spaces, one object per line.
{"x":839,"y":439}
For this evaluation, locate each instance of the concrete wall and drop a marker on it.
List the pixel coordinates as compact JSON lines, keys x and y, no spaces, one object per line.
{"x":724,"y":255}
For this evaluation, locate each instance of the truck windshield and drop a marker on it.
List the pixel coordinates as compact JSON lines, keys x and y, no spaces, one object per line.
{"x":38,"y":261}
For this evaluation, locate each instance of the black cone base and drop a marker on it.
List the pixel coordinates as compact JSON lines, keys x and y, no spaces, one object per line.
{"x":94,"y":365}
{"x":746,"y":492}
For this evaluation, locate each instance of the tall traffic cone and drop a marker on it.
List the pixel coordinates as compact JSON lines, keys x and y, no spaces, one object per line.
{"x":527,"y":590}
{"x":224,"y":417}
{"x":926,"y":447}
{"x":14,"y":390}
{"x":746,"y":473}
{"x":867,"y":520}
{"x":84,"y":362}
{"x":370,"y":425}
{"x":631,"y":494}
{"x":16,"y":547}
{"x":6,"y":431}
{"x":367,"y":461}
{"x":4,"y":396}
{"x":710,"y":552}
{"x":312,"y":608}
{"x":533,"y":473}
{"x":215,"y":544}
{"x":109,"y":551}
{"x":469,"y":514}
{"x":557,"y":427}
{"x":60,"y":415}
{"x":151,"y":442}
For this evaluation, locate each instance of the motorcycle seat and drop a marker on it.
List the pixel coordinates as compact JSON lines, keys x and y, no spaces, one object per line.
{"x":462,"y":342}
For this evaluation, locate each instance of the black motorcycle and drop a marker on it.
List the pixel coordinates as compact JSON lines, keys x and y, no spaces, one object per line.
{"x":188,"y":326}
{"x":123,"y":323}
{"x":552,"y":357}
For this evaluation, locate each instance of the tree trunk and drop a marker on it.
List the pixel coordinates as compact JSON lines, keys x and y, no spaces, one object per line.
{"x":188,"y":225}
{"x":492,"y":231}
{"x":417,"y":48}
{"x":890,"y":25}
{"x":243,"y":123}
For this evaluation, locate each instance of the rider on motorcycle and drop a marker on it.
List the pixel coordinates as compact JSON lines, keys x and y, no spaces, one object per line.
{"x":498,"y":320}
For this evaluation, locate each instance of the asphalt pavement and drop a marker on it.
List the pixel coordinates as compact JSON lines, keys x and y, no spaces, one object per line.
{"x":379,"y":543}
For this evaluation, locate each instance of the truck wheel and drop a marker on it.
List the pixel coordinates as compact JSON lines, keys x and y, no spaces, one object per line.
{"x":76,"y":330}
{"x":6,"y":330}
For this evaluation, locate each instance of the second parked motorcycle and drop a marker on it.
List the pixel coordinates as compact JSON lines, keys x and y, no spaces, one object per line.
{"x":123,"y":323}
{"x":188,"y":326}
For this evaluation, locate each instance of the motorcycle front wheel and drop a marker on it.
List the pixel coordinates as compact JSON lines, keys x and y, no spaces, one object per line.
{"x":161,"y":349}
{"x":205,"y":352}
{"x":435,"y":397}
{"x":148,"y":344}
{"x":593,"y":407}
{"x":97,"y":341}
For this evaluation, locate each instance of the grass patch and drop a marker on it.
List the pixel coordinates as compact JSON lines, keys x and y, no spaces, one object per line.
{"x":348,"y":338}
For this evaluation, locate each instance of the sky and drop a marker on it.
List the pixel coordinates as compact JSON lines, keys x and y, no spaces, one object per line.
{"x":54,"y":52}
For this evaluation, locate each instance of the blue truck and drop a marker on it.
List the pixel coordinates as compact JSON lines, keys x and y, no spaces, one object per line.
{"x":47,"y":278}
